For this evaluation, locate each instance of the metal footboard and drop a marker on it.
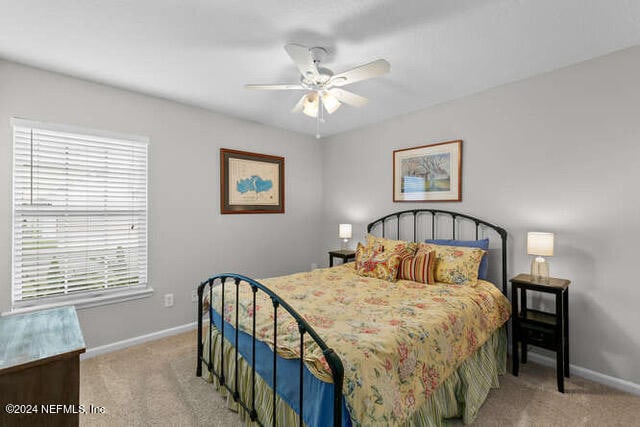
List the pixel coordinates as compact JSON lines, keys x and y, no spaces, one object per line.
{"x":333,"y":360}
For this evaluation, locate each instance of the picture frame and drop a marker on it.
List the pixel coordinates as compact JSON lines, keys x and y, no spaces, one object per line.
{"x":251,"y":183}
{"x":428,"y":173}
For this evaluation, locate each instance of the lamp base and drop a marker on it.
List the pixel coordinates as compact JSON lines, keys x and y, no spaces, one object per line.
{"x":540,"y":268}
{"x":344,"y":244}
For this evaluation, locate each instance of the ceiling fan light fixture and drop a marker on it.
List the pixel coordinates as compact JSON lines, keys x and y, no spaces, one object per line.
{"x":311,"y":105}
{"x":330,"y":102}
{"x":323,"y":86}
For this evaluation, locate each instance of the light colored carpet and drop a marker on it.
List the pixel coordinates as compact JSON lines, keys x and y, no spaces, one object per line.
{"x":155,"y":384}
{"x":151,"y":384}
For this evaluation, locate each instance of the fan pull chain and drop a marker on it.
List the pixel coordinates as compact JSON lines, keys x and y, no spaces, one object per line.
{"x":320,"y":107}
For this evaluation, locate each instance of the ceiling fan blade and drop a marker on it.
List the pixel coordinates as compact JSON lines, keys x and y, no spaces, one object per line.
{"x":302,"y":57}
{"x":348,"y":98}
{"x":298,"y":107}
{"x":284,"y":86}
{"x":363,"y":72}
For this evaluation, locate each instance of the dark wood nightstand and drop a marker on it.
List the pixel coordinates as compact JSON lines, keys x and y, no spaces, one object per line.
{"x":540,"y":328}
{"x":344,"y":254}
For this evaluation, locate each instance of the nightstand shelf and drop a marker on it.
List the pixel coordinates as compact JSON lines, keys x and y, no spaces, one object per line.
{"x":541,"y":328}
{"x":344,"y":254}
{"x":536,"y":319}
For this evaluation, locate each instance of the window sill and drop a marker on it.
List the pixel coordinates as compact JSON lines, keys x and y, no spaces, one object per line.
{"x":85,"y":302}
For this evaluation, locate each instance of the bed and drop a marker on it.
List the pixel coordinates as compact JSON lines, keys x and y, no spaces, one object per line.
{"x":355,"y":350}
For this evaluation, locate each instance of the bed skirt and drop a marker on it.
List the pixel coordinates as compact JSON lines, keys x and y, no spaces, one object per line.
{"x":459,"y":396}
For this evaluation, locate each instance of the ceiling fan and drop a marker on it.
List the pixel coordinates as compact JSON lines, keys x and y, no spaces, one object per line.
{"x":322,"y":85}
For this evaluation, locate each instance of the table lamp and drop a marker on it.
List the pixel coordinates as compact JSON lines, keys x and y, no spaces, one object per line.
{"x":344,"y":231}
{"x":540,"y":245}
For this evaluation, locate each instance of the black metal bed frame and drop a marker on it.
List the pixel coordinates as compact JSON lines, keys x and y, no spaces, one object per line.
{"x":333,"y":360}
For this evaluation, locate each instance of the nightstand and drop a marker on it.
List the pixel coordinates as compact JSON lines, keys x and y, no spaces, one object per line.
{"x":345,"y":255}
{"x":541,"y":328}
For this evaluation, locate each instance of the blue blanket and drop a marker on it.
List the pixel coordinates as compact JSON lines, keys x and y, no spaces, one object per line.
{"x":318,"y":395}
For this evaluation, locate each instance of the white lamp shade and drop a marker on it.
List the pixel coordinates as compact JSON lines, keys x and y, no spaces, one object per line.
{"x":344,"y":231}
{"x":540,"y":244}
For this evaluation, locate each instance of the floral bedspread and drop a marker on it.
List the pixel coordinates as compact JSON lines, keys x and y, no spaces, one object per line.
{"x":397,"y":341}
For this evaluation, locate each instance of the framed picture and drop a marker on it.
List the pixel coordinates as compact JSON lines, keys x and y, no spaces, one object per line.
{"x":430,"y":173}
{"x":251,"y":182}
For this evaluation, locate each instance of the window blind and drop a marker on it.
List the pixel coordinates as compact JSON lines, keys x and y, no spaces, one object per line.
{"x":79,"y":212}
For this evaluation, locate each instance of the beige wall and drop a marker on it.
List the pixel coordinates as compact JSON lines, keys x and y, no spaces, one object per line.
{"x":188,"y":238}
{"x":559,"y":152}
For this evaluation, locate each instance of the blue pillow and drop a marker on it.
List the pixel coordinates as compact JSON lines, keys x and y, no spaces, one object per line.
{"x":483,"y":270}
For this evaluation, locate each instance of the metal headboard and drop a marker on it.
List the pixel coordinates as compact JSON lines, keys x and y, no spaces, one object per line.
{"x":381,"y":223}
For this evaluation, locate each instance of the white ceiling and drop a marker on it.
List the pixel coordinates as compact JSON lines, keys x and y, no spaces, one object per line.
{"x":201,"y":52}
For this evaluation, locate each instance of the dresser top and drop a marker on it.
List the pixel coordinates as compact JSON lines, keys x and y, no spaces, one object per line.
{"x":30,"y":338}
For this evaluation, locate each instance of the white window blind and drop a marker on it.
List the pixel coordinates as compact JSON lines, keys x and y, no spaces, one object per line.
{"x":79,"y":213}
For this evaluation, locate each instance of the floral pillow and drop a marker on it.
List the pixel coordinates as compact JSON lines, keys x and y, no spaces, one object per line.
{"x":373,"y":261}
{"x":363,"y":252}
{"x":418,"y":268}
{"x":389,"y":245}
{"x":454,"y":264}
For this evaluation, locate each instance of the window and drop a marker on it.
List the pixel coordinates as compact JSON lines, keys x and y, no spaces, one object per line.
{"x":79,"y":214}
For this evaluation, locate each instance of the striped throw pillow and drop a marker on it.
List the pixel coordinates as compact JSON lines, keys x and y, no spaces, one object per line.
{"x":418,"y":268}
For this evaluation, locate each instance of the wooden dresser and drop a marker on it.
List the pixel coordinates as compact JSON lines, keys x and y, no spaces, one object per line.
{"x":40,"y":368}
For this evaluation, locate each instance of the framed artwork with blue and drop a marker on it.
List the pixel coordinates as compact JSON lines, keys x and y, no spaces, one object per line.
{"x":429,"y":173}
{"x":251,"y":182}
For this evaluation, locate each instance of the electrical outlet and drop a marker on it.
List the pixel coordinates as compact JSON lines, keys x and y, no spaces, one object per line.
{"x":194,"y":295}
{"x":168,"y":300}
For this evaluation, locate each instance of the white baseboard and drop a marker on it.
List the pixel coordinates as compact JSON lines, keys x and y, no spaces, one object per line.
{"x":613,"y":382}
{"x":119,"y":345}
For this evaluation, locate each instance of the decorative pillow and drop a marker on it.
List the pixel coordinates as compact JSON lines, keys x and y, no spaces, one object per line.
{"x":455,"y":265}
{"x":365,"y":252}
{"x":373,"y":262}
{"x":389,"y":245}
{"x":483,"y":270}
{"x":419,"y":268}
